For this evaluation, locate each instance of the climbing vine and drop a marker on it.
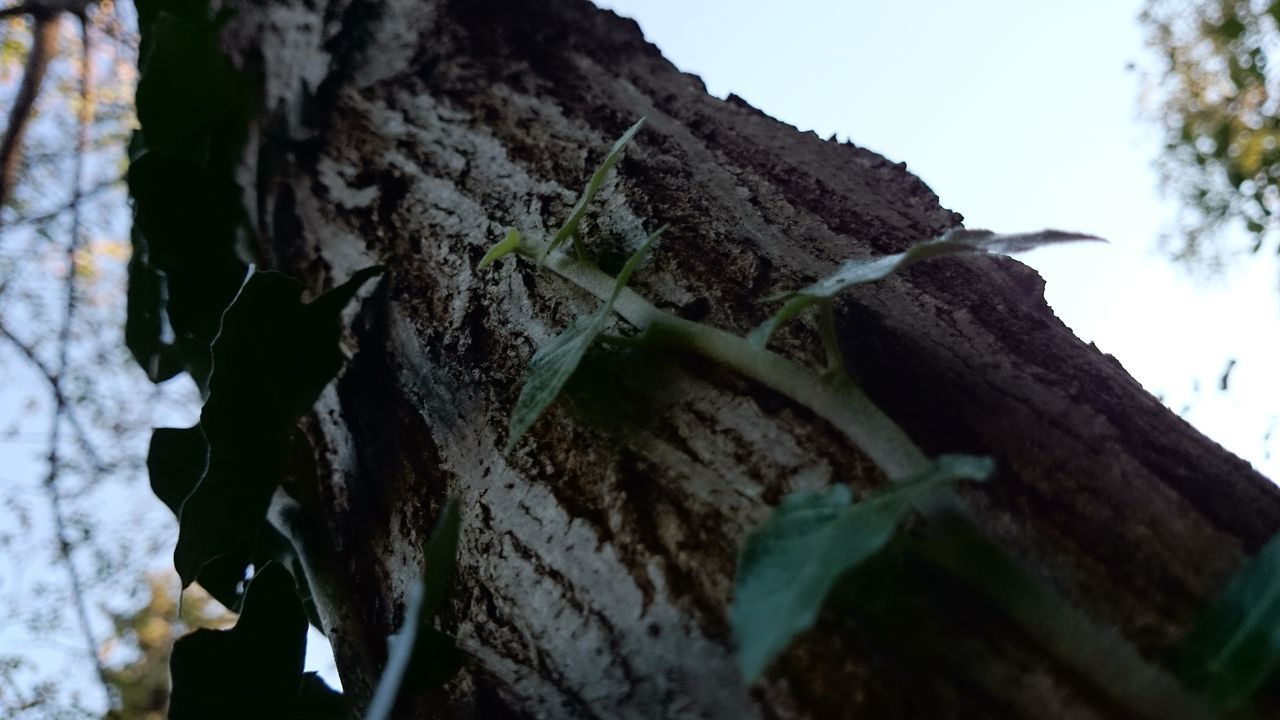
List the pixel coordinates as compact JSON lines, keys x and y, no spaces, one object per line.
{"x":261,"y":356}
{"x":814,"y":541}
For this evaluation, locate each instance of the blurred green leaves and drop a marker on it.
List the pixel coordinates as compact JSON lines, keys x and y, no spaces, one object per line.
{"x":418,"y":653}
{"x":1235,"y":644}
{"x":1214,"y":95}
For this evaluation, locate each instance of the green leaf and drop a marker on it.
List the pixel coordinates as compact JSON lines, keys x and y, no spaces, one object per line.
{"x":194,"y":108}
{"x":549,"y":370}
{"x":271,"y":359}
{"x":417,"y":651}
{"x":188,"y":92}
{"x":252,"y":670}
{"x":175,"y":462}
{"x":224,"y":576}
{"x":501,"y":250}
{"x":1234,"y":646}
{"x":570,"y":227}
{"x":789,"y":564}
{"x":185,"y":268}
{"x":554,"y":363}
{"x":145,"y":321}
{"x":858,"y":271}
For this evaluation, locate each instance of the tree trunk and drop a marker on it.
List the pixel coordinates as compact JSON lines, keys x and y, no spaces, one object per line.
{"x":597,"y":557}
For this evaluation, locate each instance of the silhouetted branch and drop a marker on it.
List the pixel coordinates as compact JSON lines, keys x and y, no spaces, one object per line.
{"x":27,"y":8}
{"x":44,"y":40}
{"x":46,"y":216}
{"x":28,"y":352}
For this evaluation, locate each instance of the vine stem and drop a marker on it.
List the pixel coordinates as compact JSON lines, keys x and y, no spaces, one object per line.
{"x":842,"y":404}
{"x":952,"y":540}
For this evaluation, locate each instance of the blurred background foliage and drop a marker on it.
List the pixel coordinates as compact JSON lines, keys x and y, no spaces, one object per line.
{"x":142,"y":640}
{"x":1216,"y":94}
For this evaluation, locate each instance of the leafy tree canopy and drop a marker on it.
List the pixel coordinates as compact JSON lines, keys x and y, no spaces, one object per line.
{"x":1216,"y":95}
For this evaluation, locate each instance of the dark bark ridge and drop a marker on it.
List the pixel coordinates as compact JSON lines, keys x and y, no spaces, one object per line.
{"x":596,"y":561}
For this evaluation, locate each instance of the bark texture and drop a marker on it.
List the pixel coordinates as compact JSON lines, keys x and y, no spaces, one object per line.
{"x":597,"y":557}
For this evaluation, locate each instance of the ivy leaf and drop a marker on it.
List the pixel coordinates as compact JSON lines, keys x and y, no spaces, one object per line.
{"x":224,"y":576}
{"x":958,"y":241}
{"x":194,"y":109}
{"x":789,"y":564}
{"x":417,"y":650}
{"x":549,"y":370}
{"x":175,"y":462}
{"x":144,"y":329}
{"x":271,"y":359}
{"x":554,"y":363}
{"x":252,"y":670}
{"x":570,"y":227}
{"x":185,"y":268}
{"x":188,"y":91}
{"x":1234,"y":645}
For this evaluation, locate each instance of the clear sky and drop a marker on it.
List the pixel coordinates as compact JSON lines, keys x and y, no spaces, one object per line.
{"x":1019,"y":116}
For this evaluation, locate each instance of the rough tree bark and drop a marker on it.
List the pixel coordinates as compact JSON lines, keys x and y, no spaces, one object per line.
{"x":597,"y":558}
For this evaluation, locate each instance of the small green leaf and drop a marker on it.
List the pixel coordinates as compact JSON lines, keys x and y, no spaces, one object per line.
{"x":549,"y":370}
{"x":418,"y":651}
{"x":554,"y":363}
{"x":570,"y":228}
{"x":252,"y":670}
{"x":791,"y":562}
{"x":955,"y":242}
{"x":858,"y":271}
{"x":271,"y":359}
{"x":501,"y":250}
{"x":1235,"y":644}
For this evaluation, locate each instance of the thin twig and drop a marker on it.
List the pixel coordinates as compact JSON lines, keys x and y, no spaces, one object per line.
{"x":65,"y":547}
{"x":44,"y":217}
{"x":28,"y":352}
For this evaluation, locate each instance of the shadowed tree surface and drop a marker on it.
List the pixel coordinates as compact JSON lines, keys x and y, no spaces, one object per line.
{"x":596,"y":561}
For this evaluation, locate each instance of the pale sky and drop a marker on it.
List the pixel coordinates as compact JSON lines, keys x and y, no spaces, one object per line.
{"x":1020,"y":116}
